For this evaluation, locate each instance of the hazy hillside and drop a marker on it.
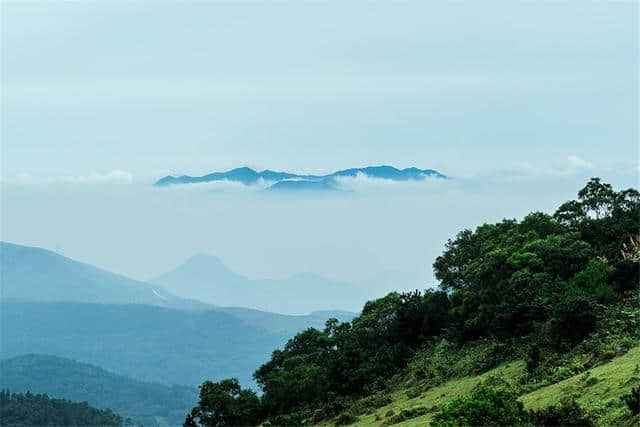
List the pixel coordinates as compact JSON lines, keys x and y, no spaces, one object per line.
{"x":28,"y":410}
{"x":36,"y":274}
{"x":207,"y":279}
{"x":274,"y":322}
{"x":145,"y":403}
{"x":143,"y":342}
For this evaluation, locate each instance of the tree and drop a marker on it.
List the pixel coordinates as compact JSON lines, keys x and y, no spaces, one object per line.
{"x":225,"y":403}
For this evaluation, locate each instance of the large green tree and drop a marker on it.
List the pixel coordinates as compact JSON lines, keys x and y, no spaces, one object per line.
{"x":225,"y":403}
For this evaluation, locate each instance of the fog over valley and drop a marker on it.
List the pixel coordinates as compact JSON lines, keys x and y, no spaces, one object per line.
{"x":379,"y":235}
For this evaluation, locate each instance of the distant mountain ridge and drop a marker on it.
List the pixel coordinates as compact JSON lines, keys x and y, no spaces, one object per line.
{"x":36,"y":274}
{"x":286,"y":181}
{"x":39,"y":275}
{"x":207,"y":279}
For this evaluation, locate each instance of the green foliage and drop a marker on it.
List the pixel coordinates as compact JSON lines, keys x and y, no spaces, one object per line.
{"x":298,"y":418}
{"x":38,"y":409}
{"x":407,"y":414}
{"x":572,"y":319}
{"x":593,"y":281}
{"x":370,"y":403}
{"x":347,"y":358}
{"x":225,"y":403}
{"x":346,"y":418}
{"x":442,"y":360}
{"x":534,"y":355}
{"x":632,"y":400}
{"x":486,"y":406}
{"x":568,"y":413}
{"x":606,"y":219}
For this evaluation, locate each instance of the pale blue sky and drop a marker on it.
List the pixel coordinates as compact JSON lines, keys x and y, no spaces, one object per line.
{"x":520,"y":101}
{"x":190,"y":87}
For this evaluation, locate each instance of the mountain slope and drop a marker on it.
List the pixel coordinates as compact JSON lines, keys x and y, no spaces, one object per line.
{"x":283,"y":323}
{"x":145,"y":403}
{"x":612,"y":380}
{"x":143,"y":342}
{"x":290,"y":181}
{"x":35,"y":274}
{"x":207,"y":279}
{"x":39,"y":275}
{"x":28,"y":410}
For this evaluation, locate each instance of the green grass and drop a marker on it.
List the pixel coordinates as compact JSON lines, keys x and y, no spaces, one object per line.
{"x":598,"y":392}
{"x":436,"y":396}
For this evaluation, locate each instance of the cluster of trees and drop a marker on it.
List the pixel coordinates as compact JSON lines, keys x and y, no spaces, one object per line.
{"x":38,"y":409}
{"x":542,"y":278}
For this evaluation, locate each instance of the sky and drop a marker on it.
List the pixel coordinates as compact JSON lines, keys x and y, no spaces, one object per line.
{"x":520,"y":102}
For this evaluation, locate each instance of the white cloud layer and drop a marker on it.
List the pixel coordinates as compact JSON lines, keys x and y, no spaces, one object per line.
{"x":222,"y":186}
{"x":114,"y":176}
{"x":362,"y":183}
{"x":573,"y":165}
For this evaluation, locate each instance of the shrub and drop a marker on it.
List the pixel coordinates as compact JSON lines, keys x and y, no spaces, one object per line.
{"x":573,"y":319}
{"x":368,"y":404}
{"x":486,"y":406}
{"x":534,"y":355}
{"x":444,"y":359}
{"x":407,"y":414}
{"x":568,"y":413}
{"x":632,"y":400}
{"x":295,"y":419}
{"x":346,"y":418}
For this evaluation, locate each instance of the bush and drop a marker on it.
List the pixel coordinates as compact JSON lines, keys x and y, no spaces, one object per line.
{"x":632,"y":400}
{"x":299,"y":418}
{"x":407,"y":414}
{"x":368,"y":404}
{"x":445,"y":359}
{"x":486,"y":406}
{"x":534,"y":355}
{"x":568,"y":413}
{"x":573,"y":319}
{"x":346,"y":418}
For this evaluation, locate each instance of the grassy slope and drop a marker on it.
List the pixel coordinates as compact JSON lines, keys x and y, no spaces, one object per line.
{"x":435,"y":396}
{"x":602,"y":399}
{"x":601,"y":396}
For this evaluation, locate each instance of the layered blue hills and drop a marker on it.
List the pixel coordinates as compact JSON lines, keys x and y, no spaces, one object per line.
{"x":285,"y":181}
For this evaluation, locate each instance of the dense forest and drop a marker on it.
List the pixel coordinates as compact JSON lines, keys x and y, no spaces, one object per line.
{"x":557,"y":291}
{"x":38,"y":409}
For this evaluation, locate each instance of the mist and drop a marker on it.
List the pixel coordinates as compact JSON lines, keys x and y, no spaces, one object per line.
{"x":372,"y":232}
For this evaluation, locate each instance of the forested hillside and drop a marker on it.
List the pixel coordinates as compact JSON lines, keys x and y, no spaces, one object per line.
{"x":556,"y":291}
{"x":40,"y":410}
{"x":148,"y":404}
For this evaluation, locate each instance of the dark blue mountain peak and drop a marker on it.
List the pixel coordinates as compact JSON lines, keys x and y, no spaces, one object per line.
{"x":295,"y":182}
